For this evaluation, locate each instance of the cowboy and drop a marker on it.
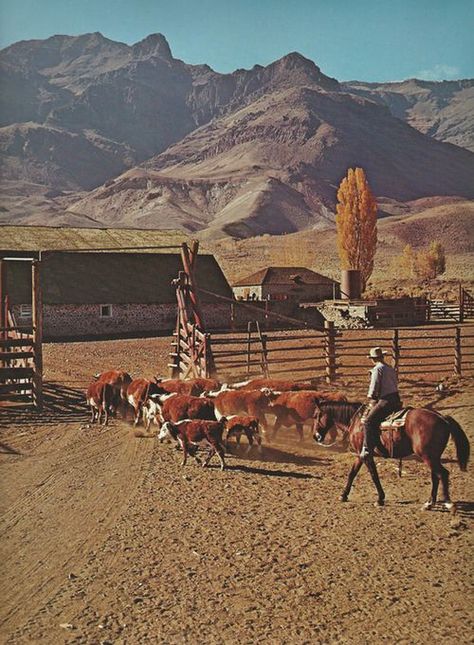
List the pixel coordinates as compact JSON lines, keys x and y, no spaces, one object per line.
{"x":383,"y":393}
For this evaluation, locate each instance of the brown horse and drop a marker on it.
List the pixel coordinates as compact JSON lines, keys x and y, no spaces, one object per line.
{"x":425,"y":434}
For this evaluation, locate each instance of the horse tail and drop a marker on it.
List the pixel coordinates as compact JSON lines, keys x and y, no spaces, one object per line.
{"x":461,"y":441}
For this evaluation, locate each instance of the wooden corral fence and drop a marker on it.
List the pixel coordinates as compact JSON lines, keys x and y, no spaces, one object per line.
{"x":459,"y":311}
{"x":21,"y":358}
{"x":417,"y":353}
{"x":191,"y":354}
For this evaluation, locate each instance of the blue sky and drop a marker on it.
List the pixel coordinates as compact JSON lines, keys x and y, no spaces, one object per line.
{"x":370,"y":40}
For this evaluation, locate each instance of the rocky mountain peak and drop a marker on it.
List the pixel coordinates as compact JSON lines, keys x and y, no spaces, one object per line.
{"x":153,"y":45}
{"x":299,"y":68}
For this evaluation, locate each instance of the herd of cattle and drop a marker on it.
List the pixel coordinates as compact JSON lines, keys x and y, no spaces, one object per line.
{"x":200,"y":411}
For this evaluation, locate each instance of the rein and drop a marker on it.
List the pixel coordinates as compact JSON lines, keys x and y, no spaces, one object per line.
{"x":340,"y":413}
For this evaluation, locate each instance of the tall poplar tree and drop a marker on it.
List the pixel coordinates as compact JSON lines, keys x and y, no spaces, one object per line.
{"x":356,"y":223}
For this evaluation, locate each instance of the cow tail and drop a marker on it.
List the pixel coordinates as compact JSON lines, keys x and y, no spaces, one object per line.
{"x":104,"y":398}
{"x":461,"y":442}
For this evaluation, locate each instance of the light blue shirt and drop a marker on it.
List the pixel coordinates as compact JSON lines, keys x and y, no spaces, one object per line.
{"x":383,"y":381}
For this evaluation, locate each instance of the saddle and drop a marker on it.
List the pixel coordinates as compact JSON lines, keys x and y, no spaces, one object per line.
{"x":396,"y":420}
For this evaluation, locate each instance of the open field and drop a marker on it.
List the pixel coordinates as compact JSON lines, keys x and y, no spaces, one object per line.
{"x":106,"y":539}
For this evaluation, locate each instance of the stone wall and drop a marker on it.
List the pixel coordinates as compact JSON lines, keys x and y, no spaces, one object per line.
{"x":85,"y":321}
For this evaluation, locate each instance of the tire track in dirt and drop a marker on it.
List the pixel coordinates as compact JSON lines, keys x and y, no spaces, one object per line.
{"x":78,"y":481}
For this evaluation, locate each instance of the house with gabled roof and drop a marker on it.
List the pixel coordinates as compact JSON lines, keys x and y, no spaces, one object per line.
{"x":296,"y":284}
{"x":106,"y":292}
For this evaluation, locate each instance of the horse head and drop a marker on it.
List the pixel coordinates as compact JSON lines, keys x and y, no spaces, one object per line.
{"x":321,"y":423}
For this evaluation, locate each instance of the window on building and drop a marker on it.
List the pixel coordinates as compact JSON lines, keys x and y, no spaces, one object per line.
{"x":25,"y":311}
{"x":105,"y":311}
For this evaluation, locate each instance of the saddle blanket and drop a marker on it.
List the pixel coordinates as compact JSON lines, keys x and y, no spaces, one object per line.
{"x":396,"y":420}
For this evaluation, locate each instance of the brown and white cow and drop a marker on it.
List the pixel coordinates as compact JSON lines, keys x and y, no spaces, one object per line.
{"x":119,"y":380}
{"x":248,"y":425}
{"x":296,"y":408}
{"x":191,"y":434}
{"x":181,"y":406}
{"x":101,"y":398}
{"x":138,"y":393}
{"x":251,"y":402}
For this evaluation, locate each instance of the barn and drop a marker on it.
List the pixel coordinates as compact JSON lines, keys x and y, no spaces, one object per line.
{"x":296,"y":284}
{"x":106,"y":293}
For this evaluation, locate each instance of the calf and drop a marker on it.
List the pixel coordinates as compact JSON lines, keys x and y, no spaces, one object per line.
{"x":101,"y":399}
{"x":252,"y":402}
{"x":138,"y":393}
{"x":236,"y":426}
{"x":194,"y":433}
{"x":295,"y":408}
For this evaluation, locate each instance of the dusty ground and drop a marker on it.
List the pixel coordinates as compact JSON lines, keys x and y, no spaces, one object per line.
{"x":106,"y":539}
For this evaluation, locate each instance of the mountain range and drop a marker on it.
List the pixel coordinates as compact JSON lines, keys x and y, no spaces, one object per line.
{"x":97,"y":132}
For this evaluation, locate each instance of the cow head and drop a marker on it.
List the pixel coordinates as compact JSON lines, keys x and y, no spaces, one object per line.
{"x":168,"y":431}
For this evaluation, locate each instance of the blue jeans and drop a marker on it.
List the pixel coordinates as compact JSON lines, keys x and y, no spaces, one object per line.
{"x":380,"y":411}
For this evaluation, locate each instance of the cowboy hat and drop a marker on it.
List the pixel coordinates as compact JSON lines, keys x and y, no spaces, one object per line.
{"x":376,"y":352}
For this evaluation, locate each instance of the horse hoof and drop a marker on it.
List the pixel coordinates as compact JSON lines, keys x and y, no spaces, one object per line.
{"x":380,"y":502}
{"x":343,"y":498}
{"x":449,"y":506}
{"x":427,"y":506}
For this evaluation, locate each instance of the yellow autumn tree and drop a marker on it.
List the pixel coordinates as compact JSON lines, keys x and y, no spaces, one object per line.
{"x":425,"y":264}
{"x":406,"y":261}
{"x":438,"y":255}
{"x":356,"y":223}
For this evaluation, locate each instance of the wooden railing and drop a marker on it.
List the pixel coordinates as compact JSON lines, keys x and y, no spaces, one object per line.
{"x":21,"y":358}
{"x":421,"y":353}
{"x":459,"y":311}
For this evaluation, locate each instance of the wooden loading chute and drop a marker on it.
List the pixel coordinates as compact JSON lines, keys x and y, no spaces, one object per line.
{"x":192,"y":354}
{"x":21,"y":357}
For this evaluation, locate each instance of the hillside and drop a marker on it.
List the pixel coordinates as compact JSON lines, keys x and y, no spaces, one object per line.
{"x":67,"y":100}
{"x":273,"y":167}
{"x":450,"y":223}
{"x":99,"y":133}
{"x":442,"y":109}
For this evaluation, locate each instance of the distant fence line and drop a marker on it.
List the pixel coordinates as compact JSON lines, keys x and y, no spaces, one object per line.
{"x":340,"y":354}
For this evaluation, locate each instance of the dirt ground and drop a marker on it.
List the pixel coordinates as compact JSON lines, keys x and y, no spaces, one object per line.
{"x":106,"y":539}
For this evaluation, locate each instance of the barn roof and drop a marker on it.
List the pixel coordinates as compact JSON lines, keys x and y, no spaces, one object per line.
{"x":36,"y":238}
{"x":111,"y":278}
{"x":283,"y":275}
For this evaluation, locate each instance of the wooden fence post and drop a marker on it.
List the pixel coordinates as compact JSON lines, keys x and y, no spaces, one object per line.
{"x":37,"y":320}
{"x":249,"y":334}
{"x":264,"y":356}
{"x":457,"y":352}
{"x":3,"y":293}
{"x":330,"y":351}
{"x":395,"y":350}
{"x":461,"y":303}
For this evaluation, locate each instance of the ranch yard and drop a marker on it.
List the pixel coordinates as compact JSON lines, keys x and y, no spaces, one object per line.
{"x":106,"y":539}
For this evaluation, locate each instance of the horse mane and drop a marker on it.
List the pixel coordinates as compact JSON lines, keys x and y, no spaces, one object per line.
{"x":342,"y":411}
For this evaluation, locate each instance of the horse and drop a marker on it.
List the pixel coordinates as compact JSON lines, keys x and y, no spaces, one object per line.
{"x":425,"y":434}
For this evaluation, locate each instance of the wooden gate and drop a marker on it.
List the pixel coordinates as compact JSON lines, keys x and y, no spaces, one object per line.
{"x":191,"y":355}
{"x":21,"y":358}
